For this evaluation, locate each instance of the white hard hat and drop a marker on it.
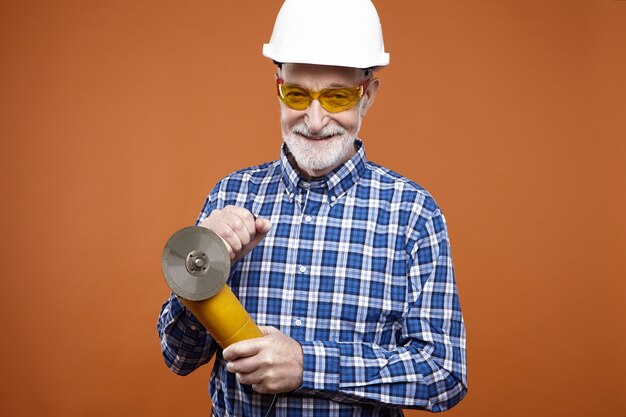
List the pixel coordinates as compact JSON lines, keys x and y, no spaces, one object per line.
{"x":344,"y":33}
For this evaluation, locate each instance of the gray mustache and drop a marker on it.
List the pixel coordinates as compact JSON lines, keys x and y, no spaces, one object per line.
{"x":326,"y":131}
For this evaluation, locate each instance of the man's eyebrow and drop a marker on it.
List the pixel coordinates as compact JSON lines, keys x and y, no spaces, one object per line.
{"x":333,"y":85}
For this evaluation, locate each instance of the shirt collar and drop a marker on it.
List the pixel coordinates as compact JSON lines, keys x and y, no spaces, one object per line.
{"x":337,"y":182}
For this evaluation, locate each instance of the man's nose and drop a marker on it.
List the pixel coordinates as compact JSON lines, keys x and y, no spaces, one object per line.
{"x":316,"y":117}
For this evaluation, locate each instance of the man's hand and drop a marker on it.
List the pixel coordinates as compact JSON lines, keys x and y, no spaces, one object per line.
{"x":271,"y":364}
{"x":238,"y":228}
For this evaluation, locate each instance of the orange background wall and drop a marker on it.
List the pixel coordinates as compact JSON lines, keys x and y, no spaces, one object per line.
{"x":117,"y":117}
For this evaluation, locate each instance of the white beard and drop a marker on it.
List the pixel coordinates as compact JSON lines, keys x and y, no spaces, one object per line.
{"x":317,"y":154}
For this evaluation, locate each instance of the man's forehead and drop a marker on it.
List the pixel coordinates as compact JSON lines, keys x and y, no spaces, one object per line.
{"x":331,"y":76}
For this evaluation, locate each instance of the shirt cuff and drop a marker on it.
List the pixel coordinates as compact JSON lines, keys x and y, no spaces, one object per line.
{"x":190,"y":322}
{"x":321,"y":366}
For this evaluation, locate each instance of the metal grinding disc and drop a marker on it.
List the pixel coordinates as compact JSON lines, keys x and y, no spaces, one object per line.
{"x":195,"y":263}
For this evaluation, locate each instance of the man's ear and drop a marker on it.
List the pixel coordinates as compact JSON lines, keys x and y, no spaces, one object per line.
{"x":369,"y":95}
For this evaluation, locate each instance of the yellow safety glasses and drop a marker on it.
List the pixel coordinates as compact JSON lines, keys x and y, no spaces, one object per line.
{"x":332,"y":100}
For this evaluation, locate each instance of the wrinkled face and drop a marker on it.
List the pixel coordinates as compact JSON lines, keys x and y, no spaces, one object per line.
{"x":319,"y":140}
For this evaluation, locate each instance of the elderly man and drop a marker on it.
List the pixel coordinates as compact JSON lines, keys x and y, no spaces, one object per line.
{"x":344,"y":264}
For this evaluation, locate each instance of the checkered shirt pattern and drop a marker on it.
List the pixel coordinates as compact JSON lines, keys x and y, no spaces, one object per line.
{"x":356,"y":268}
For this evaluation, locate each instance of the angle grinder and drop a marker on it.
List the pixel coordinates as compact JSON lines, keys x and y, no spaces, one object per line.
{"x":196,"y":265}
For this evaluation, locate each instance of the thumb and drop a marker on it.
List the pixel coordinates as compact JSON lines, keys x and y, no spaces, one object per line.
{"x":268,"y":330}
{"x":262,"y":226}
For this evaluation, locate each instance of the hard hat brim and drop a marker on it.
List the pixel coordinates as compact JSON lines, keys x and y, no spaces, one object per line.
{"x":376,"y":62}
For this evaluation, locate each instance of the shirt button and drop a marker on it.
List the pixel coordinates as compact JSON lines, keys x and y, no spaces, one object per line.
{"x":193,"y":327}
{"x":302,"y":268}
{"x":333,"y":198}
{"x":298,"y":322}
{"x":307,"y":218}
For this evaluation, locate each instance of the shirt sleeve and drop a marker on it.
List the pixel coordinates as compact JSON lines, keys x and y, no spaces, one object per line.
{"x":185,"y":343}
{"x":427,"y":370}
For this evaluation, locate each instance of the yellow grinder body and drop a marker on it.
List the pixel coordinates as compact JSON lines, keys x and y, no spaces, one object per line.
{"x":196,"y":265}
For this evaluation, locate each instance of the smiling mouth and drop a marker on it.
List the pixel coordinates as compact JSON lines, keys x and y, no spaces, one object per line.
{"x":315,"y":137}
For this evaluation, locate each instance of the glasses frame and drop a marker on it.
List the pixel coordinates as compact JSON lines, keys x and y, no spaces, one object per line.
{"x":315,"y":95}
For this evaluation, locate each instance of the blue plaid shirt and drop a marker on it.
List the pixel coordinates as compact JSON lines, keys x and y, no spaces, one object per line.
{"x":357,"y":269}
